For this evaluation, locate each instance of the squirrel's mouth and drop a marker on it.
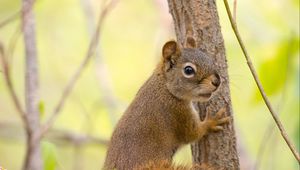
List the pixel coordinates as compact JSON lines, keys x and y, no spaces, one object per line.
{"x":205,"y":95}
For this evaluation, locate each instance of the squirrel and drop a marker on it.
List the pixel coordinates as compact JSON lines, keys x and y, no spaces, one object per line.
{"x":163,"y":115}
{"x":167,"y":165}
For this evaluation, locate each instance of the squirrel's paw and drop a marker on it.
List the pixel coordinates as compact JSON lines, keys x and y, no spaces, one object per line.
{"x":214,"y":122}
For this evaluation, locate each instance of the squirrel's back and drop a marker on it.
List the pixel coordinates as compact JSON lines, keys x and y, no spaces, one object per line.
{"x":167,"y":165}
{"x":143,"y":131}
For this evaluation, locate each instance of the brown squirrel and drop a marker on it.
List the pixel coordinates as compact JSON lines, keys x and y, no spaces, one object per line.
{"x":163,"y":116}
{"x":168,"y":165}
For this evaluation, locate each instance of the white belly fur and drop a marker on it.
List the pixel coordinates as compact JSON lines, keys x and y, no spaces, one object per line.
{"x":194,"y":109}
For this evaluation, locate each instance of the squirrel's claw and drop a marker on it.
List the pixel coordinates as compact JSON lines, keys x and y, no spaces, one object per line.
{"x":217,"y":116}
{"x":220,"y":113}
{"x":224,"y":120}
{"x":215,"y":122}
{"x":217,"y":128}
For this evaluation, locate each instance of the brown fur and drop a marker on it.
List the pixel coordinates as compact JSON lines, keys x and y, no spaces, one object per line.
{"x":160,"y":119}
{"x":167,"y":165}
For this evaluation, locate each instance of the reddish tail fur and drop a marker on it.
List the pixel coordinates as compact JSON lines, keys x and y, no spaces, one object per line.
{"x":168,"y":165}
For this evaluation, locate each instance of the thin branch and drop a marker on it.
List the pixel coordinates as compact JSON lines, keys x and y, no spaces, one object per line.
{"x":270,"y":128}
{"x":73,"y":80}
{"x":12,"y":44}
{"x":11,"y":89}
{"x":102,"y":73}
{"x":263,"y":144}
{"x":31,"y":70}
{"x":33,"y":159}
{"x":234,"y":10}
{"x":13,"y":131}
{"x":260,"y":87}
{"x":75,"y":138}
{"x":246,"y":161}
{"x":10,"y":19}
{"x":77,"y":157}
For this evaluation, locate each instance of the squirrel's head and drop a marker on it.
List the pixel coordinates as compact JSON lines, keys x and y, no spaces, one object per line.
{"x":189,"y":72}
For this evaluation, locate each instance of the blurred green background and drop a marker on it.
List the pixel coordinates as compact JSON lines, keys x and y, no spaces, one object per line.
{"x":130,"y":45}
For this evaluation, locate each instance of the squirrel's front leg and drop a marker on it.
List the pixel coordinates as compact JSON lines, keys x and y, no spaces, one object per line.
{"x":212,"y":123}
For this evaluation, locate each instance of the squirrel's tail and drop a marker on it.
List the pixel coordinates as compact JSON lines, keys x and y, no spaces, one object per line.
{"x":168,"y":165}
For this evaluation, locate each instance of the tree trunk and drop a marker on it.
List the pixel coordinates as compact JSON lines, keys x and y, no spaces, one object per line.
{"x":33,"y":159}
{"x":199,"y":19}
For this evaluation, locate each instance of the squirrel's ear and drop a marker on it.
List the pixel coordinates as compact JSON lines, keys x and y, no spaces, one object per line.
{"x":190,"y":42}
{"x":170,"y":48}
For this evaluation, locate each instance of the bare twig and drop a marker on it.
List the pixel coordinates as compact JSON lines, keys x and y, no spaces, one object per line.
{"x":11,"y":89}
{"x":77,"y":157}
{"x":263,"y":144}
{"x":9,"y":19}
{"x":165,"y":21}
{"x":33,"y":159}
{"x":73,"y":80}
{"x":12,"y":45}
{"x":260,"y":87}
{"x":234,"y":10}
{"x":270,"y":128}
{"x":245,"y":159}
{"x":7,"y":67}
{"x":31,"y":77}
{"x":102,"y":74}
{"x":13,"y":131}
{"x":74,"y":138}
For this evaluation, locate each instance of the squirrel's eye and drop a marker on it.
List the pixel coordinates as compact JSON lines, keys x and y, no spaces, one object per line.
{"x":188,"y":71}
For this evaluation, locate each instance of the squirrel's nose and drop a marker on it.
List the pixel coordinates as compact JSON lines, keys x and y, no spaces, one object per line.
{"x":216,"y":80}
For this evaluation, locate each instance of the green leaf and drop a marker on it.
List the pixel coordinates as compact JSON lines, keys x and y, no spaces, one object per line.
{"x":41,"y":108}
{"x":49,"y":156}
{"x":274,"y":72}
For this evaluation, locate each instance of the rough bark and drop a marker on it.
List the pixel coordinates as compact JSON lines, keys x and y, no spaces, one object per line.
{"x":33,"y":159}
{"x":199,"y":19}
